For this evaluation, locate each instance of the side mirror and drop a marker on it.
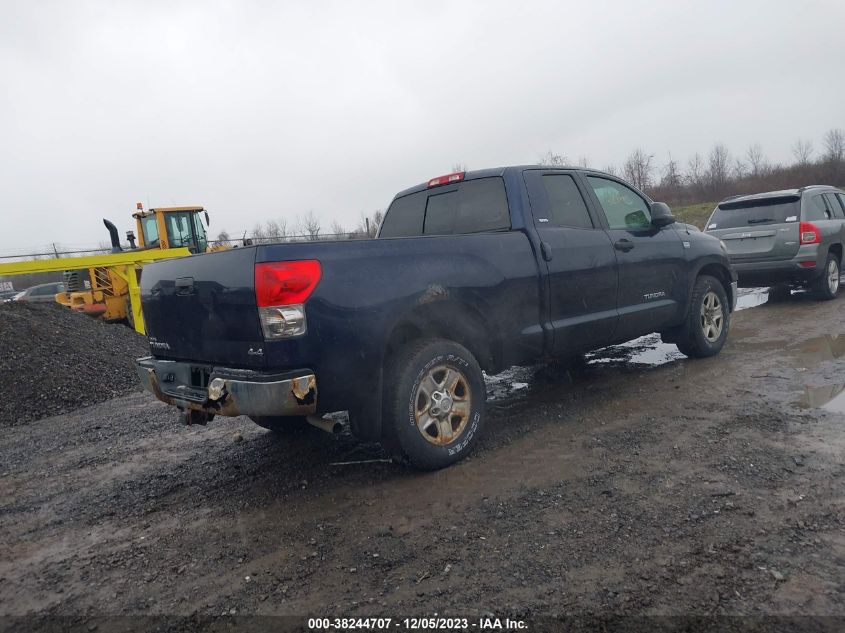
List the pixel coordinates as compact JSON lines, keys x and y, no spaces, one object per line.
{"x":661,"y":215}
{"x":207,"y":221}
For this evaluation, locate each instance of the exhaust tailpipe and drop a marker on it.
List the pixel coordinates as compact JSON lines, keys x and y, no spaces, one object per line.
{"x":115,"y":239}
{"x":329,"y":426}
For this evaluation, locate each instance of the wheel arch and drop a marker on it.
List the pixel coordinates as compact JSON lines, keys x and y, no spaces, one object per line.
{"x":719,"y":271}
{"x":451,"y":320}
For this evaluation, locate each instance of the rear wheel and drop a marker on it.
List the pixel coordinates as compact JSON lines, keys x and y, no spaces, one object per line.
{"x":706,"y":327}
{"x":283,"y":424}
{"x":434,"y":403}
{"x":827,"y":285}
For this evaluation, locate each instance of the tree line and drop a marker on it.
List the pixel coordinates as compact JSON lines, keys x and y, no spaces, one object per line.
{"x":718,"y":174}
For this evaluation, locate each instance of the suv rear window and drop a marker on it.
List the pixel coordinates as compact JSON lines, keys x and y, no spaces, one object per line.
{"x":729,"y":215}
{"x":472,"y":206}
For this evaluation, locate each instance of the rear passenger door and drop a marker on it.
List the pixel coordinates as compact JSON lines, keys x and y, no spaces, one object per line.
{"x":580,"y":264}
{"x":652,"y":262}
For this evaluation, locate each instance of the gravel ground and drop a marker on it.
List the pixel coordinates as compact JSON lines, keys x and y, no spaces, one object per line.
{"x":53,"y":360}
{"x":609,"y":488}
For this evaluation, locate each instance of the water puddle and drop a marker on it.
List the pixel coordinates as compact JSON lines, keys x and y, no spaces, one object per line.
{"x":816,"y":351}
{"x":829,"y":397}
{"x":510,"y":383}
{"x":751,"y":298}
{"x":647,"y":350}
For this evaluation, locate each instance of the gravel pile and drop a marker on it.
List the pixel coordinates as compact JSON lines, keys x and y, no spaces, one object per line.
{"x":53,"y":360}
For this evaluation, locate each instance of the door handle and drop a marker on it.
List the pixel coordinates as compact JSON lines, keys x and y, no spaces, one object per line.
{"x":546,"y":250}
{"x":623,"y":245}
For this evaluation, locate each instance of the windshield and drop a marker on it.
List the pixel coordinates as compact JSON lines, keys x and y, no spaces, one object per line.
{"x":182,"y":229}
{"x":754,"y":213}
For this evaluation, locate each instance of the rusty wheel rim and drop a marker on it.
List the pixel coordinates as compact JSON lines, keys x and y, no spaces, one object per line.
{"x":442,"y":405}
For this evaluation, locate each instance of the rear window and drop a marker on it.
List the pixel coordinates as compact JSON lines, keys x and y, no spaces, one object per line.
{"x":472,"y":206}
{"x":729,"y":215}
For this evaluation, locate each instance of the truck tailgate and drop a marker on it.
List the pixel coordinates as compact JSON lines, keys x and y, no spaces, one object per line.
{"x":202,"y":308}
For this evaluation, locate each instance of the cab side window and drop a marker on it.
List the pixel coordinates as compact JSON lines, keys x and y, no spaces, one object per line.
{"x":623,"y":207}
{"x":566,"y":205}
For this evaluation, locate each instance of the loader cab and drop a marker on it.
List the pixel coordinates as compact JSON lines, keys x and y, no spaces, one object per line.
{"x":172,"y":227}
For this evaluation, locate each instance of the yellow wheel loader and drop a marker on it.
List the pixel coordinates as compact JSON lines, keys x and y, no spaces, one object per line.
{"x":110,"y":291}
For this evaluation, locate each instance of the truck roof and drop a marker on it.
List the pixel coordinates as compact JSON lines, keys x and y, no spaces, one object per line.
{"x":500,"y":171}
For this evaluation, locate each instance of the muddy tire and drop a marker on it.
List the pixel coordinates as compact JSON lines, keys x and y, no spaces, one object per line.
{"x":434,"y":403}
{"x":283,"y":424}
{"x":708,"y":320}
{"x":826,"y":285}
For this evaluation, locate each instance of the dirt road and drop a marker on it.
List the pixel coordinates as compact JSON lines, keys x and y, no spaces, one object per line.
{"x":613,"y":487}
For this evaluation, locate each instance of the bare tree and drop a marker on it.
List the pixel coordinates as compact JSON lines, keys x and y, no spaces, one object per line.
{"x":276,"y":229}
{"x":718,"y":166}
{"x":695,"y":171}
{"x":802,"y":151}
{"x":671,"y":174}
{"x":223,"y":238}
{"x":638,"y":168}
{"x":757,"y":160}
{"x":368,"y":225}
{"x":834,"y":145}
{"x":611,"y":169}
{"x":337,"y":230}
{"x":458,"y":167}
{"x":583,"y":161}
{"x":740,"y":169}
{"x":550,"y":159}
{"x":309,"y":225}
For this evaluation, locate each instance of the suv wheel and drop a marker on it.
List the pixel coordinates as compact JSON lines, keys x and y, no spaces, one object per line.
{"x":827,"y":285}
{"x":434,"y":404}
{"x":706,"y":327}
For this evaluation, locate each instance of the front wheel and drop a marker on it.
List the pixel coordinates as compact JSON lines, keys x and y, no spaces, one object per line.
{"x":827,"y":285}
{"x":705,"y":329}
{"x":434,"y":403}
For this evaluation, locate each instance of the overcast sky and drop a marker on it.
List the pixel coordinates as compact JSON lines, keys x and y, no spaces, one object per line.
{"x":261,"y":110}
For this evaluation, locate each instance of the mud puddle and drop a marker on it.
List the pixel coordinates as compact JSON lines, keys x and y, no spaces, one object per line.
{"x":829,"y":397}
{"x":812,"y":353}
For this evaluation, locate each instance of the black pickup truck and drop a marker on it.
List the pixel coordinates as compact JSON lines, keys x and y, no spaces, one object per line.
{"x":470,"y":271}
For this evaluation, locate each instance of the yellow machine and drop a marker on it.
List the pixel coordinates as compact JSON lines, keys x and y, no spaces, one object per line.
{"x":113,"y":294}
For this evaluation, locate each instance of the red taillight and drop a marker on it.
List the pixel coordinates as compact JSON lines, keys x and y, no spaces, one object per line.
{"x":809,"y":233}
{"x":286,"y":283}
{"x":809,"y":264}
{"x":445,"y":180}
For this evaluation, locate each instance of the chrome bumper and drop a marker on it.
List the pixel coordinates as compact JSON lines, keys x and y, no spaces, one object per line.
{"x":229,"y":392}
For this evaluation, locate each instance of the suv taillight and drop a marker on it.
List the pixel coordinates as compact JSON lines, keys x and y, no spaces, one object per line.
{"x":281,"y":289}
{"x":809,"y":233}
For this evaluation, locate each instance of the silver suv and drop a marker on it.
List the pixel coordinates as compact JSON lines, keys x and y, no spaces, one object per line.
{"x":792,"y":237}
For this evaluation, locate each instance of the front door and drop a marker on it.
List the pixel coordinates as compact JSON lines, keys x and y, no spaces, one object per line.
{"x":652,"y":263}
{"x":580,"y":262}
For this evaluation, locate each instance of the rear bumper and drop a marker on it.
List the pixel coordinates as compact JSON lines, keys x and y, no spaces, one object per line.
{"x":752,"y":274}
{"x":229,"y":392}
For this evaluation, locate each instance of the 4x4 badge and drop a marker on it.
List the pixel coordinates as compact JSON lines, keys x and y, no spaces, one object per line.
{"x":256,"y":352}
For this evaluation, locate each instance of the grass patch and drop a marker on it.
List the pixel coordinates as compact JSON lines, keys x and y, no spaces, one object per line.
{"x":696,"y":214}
